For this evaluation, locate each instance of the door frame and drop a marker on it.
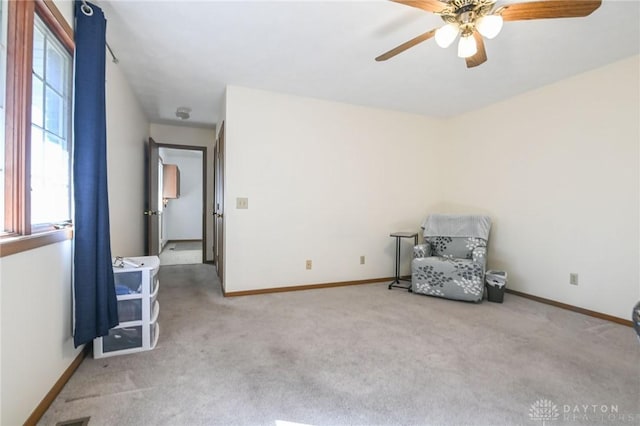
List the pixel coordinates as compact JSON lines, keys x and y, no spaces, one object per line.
{"x":218,"y":206}
{"x":151,"y":202}
{"x":203,"y":149}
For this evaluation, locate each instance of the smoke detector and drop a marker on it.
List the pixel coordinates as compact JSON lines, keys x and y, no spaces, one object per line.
{"x":183,"y":113}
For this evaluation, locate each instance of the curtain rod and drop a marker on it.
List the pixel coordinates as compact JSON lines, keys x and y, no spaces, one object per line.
{"x":114,"y":59}
{"x":87,"y":10}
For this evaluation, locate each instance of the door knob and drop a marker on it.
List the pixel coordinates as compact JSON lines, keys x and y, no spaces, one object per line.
{"x":218,"y":215}
{"x":151,"y":213}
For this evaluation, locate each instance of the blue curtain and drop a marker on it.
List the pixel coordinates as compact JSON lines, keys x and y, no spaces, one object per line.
{"x":96,"y":309}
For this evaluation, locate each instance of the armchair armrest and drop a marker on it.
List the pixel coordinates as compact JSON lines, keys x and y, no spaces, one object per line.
{"x":479,"y":255}
{"x":421,"y":250}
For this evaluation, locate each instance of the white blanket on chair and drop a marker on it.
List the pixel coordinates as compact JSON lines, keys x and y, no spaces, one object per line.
{"x":457,"y":225}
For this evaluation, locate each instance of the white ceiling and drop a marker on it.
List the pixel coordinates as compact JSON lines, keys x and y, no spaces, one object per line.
{"x":184,"y":53}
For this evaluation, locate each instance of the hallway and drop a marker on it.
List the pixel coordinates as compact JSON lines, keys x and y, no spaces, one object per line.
{"x":181,"y":253}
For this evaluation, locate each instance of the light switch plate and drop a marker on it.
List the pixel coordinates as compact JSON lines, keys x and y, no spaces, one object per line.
{"x":242,"y":203}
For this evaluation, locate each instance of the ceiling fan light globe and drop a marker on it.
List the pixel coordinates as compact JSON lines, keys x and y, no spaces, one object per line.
{"x":446,"y":35}
{"x":489,"y":25}
{"x":467,"y":46}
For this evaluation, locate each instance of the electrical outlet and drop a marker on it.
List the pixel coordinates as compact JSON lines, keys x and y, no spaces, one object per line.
{"x":242,"y":203}
{"x":573,"y":278}
{"x":309,"y":264}
{"x":362,"y":260}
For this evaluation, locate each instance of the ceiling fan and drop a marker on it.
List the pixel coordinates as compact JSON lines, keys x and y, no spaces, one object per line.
{"x":475,"y":19}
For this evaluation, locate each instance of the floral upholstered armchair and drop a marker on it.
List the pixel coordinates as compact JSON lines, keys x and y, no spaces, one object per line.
{"x":452,"y":261}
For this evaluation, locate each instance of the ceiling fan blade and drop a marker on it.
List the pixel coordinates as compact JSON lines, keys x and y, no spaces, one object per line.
{"x":428,"y":5}
{"x":481,"y":55}
{"x":406,"y":45}
{"x":548,"y":9}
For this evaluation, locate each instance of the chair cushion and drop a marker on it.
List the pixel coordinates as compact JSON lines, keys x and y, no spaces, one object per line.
{"x":459,"y":279}
{"x":454,"y":247}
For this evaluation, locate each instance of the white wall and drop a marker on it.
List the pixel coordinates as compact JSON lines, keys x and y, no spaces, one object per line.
{"x":182,"y":217}
{"x":325,"y":181}
{"x":37,"y":342}
{"x":558,"y":171}
{"x":556,"y":168}
{"x":36,"y":309}
{"x":179,"y":135}
{"x":127,"y":132}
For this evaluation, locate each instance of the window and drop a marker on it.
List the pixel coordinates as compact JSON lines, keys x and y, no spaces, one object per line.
{"x":37,"y":45}
{"x":50,"y":129}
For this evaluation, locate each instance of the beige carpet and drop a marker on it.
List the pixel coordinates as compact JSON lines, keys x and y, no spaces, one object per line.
{"x":360,"y":355}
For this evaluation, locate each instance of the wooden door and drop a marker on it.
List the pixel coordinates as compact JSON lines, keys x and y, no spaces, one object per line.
{"x":219,"y":206}
{"x":152,"y":211}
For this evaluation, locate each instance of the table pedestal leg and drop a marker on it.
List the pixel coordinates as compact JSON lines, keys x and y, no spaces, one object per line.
{"x":396,"y":281}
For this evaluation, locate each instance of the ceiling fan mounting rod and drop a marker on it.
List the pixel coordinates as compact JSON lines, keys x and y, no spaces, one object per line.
{"x":459,"y":4}
{"x":466,"y":11}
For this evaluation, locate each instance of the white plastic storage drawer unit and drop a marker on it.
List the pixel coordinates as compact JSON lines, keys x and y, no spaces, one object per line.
{"x":137,"y":287}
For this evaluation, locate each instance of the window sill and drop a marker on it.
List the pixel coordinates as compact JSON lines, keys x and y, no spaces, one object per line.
{"x":14,"y":245}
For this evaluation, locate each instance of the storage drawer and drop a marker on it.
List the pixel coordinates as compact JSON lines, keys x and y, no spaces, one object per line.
{"x":129,"y":282}
{"x":130,"y":310}
{"x":120,"y":339}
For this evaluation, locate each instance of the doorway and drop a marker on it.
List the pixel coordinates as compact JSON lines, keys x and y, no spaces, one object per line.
{"x":178,"y":232}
